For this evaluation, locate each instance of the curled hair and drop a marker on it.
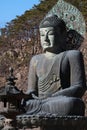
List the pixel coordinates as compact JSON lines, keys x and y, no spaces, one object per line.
{"x":53,"y":21}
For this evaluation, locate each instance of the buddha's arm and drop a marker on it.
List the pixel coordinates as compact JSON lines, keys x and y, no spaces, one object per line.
{"x":77,"y":76}
{"x":32,"y":78}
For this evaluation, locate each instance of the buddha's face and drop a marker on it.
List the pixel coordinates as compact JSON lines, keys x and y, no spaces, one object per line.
{"x":49,"y":38}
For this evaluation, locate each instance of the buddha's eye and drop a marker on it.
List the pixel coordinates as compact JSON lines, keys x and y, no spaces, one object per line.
{"x":42,"y":34}
{"x":51,"y":32}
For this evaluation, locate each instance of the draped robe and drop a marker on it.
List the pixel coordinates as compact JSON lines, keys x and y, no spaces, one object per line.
{"x":60,"y":83}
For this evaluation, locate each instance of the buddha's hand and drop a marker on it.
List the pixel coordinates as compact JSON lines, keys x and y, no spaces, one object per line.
{"x":23,"y":102}
{"x":26,"y":97}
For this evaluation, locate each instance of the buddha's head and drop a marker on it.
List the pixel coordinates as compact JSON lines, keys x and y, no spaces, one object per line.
{"x":52,"y":33}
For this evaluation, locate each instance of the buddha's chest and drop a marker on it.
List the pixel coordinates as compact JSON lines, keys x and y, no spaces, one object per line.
{"x":48,"y":66}
{"x":48,"y":77}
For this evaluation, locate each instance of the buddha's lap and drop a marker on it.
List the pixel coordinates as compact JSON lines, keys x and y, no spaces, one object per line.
{"x":63,"y":105}
{"x":60,"y":105}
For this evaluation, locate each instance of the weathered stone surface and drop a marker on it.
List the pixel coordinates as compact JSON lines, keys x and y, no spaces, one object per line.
{"x":62,"y":123}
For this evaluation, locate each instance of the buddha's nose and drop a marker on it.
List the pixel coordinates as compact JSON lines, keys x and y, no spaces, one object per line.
{"x":46,"y":38}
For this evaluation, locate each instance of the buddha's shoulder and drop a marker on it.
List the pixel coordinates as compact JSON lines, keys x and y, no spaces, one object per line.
{"x":73,"y":53}
{"x":69,"y":54}
{"x":37,"y":57}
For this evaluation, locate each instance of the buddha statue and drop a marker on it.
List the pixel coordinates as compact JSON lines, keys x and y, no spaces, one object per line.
{"x":56,"y":80}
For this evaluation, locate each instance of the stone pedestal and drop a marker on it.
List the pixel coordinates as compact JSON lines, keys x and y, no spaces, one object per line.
{"x":52,"y":122}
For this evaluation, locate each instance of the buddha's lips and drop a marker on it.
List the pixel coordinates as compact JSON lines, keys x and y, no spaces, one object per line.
{"x":46,"y":43}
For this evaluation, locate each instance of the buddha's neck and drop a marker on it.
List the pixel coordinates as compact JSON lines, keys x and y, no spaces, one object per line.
{"x":50,"y":54}
{"x":53,"y":51}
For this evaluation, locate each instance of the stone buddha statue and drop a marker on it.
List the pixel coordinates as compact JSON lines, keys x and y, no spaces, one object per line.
{"x":56,"y":80}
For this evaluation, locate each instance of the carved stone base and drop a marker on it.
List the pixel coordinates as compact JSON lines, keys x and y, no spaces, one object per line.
{"x":53,"y":122}
{"x":60,"y":128}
